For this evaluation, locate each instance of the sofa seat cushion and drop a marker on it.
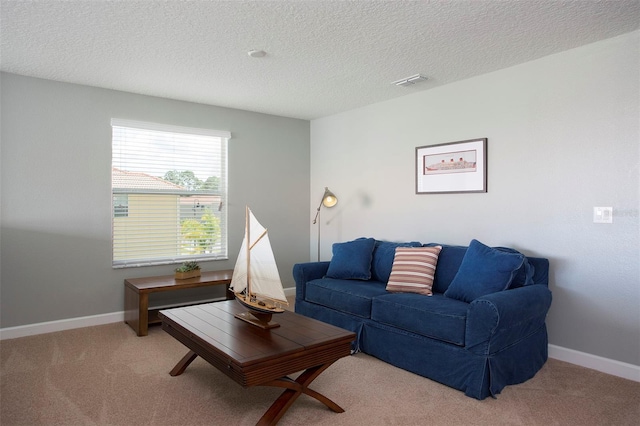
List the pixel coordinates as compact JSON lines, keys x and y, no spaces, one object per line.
{"x":348,"y":296}
{"x":436,"y":316}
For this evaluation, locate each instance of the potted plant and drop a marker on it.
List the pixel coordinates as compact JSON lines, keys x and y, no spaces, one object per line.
{"x":189,"y":269}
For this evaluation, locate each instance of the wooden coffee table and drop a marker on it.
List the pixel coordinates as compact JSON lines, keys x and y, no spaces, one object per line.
{"x":255,"y":357}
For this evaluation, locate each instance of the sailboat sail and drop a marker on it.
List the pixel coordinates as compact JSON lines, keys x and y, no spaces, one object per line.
{"x":256,"y":270}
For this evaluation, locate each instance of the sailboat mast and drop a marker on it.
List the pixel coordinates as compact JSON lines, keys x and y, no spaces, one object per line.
{"x":248,"y":239}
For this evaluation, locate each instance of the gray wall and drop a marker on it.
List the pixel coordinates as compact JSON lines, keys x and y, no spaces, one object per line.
{"x":563,"y":137}
{"x":56,"y":208}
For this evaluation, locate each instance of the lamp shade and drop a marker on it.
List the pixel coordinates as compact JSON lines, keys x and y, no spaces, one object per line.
{"x":329,"y":199}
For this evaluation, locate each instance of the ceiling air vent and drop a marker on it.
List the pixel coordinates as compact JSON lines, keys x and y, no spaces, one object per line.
{"x":410,"y":81}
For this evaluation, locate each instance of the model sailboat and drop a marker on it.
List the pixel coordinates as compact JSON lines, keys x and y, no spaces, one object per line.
{"x":256,"y":282}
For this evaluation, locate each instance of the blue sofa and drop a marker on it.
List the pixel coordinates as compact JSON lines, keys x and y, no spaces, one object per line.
{"x":477,"y":338}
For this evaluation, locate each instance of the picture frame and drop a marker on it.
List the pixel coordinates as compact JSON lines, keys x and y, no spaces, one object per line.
{"x":453,"y":167}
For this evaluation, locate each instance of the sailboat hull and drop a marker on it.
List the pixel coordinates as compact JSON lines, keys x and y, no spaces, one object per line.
{"x":257,"y":315}
{"x":256,"y":306}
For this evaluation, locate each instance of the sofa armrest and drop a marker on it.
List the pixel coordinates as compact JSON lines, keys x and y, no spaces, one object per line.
{"x":498,"y":320}
{"x":305,"y":272}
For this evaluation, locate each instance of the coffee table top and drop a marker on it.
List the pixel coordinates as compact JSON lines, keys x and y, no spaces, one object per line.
{"x":242,"y":345}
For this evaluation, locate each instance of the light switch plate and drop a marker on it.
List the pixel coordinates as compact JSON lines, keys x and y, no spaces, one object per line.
{"x":603,"y":215}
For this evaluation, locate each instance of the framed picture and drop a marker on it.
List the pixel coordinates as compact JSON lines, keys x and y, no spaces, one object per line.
{"x":452,"y":167}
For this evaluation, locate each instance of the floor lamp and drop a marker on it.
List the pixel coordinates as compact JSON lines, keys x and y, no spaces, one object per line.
{"x":328,"y":200}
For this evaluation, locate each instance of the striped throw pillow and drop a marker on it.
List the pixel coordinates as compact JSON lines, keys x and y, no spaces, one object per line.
{"x":413,"y":270}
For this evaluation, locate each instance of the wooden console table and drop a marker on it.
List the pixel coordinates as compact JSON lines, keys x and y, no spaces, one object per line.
{"x":137,"y":290}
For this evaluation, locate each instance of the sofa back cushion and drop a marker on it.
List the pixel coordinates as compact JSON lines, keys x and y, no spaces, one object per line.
{"x":449,"y":262}
{"x":541,"y":270}
{"x":352,"y":260}
{"x":383,"y":254}
{"x":534,"y":270}
{"x":484,"y":270}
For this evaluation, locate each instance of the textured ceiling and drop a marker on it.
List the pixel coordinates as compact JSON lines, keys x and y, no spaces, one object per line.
{"x":323,"y":57}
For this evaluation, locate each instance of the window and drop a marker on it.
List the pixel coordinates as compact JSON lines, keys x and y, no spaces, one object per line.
{"x":120,"y":205}
{"x":169,"y":193}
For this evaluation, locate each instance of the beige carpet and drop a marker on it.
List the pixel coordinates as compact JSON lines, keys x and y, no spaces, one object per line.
{"x":105,"y":375}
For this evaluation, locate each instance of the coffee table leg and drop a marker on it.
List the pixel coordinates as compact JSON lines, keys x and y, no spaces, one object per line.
{"x":183,"y":363}
{"x":294,"y":389}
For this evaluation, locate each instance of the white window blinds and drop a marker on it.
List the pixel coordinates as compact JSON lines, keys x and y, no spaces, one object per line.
{"x":169,"y":194}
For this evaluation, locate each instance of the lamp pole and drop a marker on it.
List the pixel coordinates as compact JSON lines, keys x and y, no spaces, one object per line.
{"x":328,"y":200}
{"x":318,"y":217}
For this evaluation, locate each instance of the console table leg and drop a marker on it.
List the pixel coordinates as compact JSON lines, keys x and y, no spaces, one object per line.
{"x":143,"y":314}
{"x":230,"y":295}
{"x":183,"y":363}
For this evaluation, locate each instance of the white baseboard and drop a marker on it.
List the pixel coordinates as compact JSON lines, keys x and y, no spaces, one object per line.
{"x":604,"y":365}
{"x":60,"y":325}
{"x":71,"y":323}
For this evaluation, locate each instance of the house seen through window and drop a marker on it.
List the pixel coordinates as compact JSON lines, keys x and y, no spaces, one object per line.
{"x":169,"y":191}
